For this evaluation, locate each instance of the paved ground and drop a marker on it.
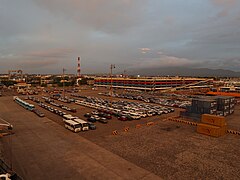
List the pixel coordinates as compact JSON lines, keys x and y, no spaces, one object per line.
{"x":102,"y":129}
{"x":170,"y":150}
{"x":41,"y":149}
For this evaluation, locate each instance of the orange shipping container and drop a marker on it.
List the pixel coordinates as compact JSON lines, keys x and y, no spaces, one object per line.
{"x":213,"y":120}
{"x":211,"y":130}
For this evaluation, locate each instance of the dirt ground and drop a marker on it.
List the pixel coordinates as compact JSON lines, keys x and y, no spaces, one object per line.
{"x":234,"y":119}
{"x":170,"y":150}
{"x":176,"y":151}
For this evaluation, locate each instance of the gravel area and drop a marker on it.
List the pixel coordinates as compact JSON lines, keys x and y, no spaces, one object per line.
{"x":176,"y":151}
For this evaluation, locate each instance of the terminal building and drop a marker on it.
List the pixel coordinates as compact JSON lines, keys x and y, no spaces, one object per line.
{"x":147,"y":83}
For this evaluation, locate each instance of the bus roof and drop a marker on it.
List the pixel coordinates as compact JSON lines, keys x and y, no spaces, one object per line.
{"x":79,"y":120}
{"x":71,"y":122}
{"x":68,"y":116}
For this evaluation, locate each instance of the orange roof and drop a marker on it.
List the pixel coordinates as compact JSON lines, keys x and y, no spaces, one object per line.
{"x":224,"y":94}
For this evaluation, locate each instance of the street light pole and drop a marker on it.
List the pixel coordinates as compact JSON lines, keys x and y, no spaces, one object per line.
{"x":64,"y":83}
{"x":124,"y":81}
{"x":112,"y":66}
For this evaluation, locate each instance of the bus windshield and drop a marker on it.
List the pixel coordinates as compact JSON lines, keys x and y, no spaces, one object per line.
{"x":84,"y":125}
{"x":77,"y":126}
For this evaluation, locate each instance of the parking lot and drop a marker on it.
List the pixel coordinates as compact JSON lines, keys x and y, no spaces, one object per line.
{"x":102,"y":130}
{"x":178,"y":101}
{"x":41,"y":149}
{"x":168,"y":149}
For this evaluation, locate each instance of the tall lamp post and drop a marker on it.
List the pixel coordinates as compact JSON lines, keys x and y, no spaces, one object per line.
{"x":124,"y":81}
{"x":112,"y":66}
{"x":64,"y":83}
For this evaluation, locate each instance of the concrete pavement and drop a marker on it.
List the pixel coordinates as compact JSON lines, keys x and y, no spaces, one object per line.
{"x":42,"y":149}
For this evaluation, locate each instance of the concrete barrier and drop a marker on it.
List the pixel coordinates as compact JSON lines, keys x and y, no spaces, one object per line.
{"x":150,"y":123}
{"x":138,"y":126}
{"x":183,"y":121}
{"x":114,"y":132}
{"x":233,"y":132}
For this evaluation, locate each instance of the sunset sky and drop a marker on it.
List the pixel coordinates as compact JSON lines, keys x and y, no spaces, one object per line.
{"x":43,"y":36}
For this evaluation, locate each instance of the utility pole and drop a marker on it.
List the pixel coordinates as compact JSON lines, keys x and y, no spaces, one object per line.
{"x":124,"y":80}
{"x":78,"y":71}
{"x":112,"y":66}
{"x":64,"y":83}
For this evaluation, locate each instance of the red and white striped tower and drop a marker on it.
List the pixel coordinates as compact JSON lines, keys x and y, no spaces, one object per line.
{"x":78,"y":68}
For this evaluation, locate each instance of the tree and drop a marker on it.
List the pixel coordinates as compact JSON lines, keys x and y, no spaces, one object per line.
{"x":9,"y":82}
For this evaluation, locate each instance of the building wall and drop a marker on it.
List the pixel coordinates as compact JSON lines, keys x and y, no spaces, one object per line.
{"x":147,"y":83}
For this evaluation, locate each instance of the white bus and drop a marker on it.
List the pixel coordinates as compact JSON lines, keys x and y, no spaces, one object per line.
{"x":68,"y":117}
{"x":72,"y":125}
{"x":84,"y":124}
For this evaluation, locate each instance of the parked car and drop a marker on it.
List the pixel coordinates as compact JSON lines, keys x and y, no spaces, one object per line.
{"x":101,"y":114}
{"x":87,"y":115}
{"x":91,"y":126}
{"x":38,"y":112}
{"x":122,"y":118}
{"x":107,"y":116}
{"x":96,"y":117}
{"x":129,"y":117}
{"x":95,"y":112}
{"x":63,"y":113}
{"x":91,"y":119}
{"x":74,"y":110}
{"x":103,"y":120}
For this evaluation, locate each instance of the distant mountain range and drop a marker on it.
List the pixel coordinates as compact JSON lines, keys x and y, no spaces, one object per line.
{"x":182,"y":71}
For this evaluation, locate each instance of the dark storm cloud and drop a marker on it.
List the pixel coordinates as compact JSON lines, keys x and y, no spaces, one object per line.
{"x":37,"y":64}
{"x":49,"y":35}
{"x":113,"y":16}
{"x":231,"y":63}
{"x":61,"y":52}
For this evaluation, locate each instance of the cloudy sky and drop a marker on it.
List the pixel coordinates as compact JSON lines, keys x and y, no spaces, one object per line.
{"x":43,"y":36}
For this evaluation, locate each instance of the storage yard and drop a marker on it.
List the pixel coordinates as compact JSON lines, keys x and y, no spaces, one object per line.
{"x":119,"y":90}
{"x":146,"y":145}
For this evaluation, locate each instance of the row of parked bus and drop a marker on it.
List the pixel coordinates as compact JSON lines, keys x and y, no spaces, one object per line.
{"x":72,"y":123}
{"x":28,"y":106}
{"x":23,"y":103}
{"x":76,"y":124}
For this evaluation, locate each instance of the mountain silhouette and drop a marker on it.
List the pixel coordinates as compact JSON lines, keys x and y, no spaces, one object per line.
{"x":182,"y":71}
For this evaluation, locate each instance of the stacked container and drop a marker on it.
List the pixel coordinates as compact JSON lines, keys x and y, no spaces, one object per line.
{"x":232,"y":105}
{"x":189,"y":108}
{"x":212,"y":125}
{"x":225,"y":105}
{"x":204,"y":106}
{"x":217,"y":105}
